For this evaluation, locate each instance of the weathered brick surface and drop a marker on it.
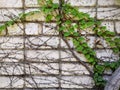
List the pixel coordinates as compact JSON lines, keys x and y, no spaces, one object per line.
{"x":108,"y":13}
{"x":33,"y":55}
{"x":8,"y":14}
{"x":11,"y":3}
{"x":117,"y":25}
{"x":82,"y":2}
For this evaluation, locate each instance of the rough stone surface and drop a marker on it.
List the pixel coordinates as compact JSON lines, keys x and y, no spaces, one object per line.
{"x":33,"y":55}
{"x":114,"y":82}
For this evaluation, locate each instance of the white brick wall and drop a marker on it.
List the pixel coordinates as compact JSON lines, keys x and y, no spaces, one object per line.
{"x":32,"y":54}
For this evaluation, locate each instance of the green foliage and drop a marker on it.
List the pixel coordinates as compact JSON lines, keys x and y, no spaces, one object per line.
{"x":68,"y":29}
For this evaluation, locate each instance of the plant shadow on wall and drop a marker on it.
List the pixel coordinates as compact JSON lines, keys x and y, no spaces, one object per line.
{"x":71,"y":23}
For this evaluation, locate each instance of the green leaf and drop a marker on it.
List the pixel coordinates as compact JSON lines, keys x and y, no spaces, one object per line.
{"x":55,"y":5}
{"x":62,"y":28}
{"x":66,"y":34}
{"x":81,"y":39}
{"x":76,"y":43}
{"x":9,"y":23}
{"x":84,"y":44}
{"x":3,"y":27}
{"x":87,"y":56}
{"x":91,"y":60}
{"x":75,"y":34}
{"x":79,"y":48}
{"x":100,"y":68}
{"x":49,"y":17}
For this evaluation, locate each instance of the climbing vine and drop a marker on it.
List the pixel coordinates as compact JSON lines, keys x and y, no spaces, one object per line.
{"x":71,"y":22}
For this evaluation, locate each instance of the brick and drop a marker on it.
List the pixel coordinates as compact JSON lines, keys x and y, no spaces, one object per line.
{"x":11,"y":43}
{"x":107,"y":55}
{"x":117,"y":25}
{"x":50,"y":29}
{"x":108,"y":13}
{"x":69,"y":41}
{"x":90,"y":41}
{"x":109,"y":25}
{"x":42,"y":42}
{"x":106,"y":2}
{"x":42,"y":68}
{"x":73,"y":69}
{"x":82,"y":2}
{"x":90,"y":11}
{"x":16,"y":29}
{"x":11,"y":69}
{"x":11,"y":55}
{"x":8,"y":14}
{"x":34,"y":3}
{"x":33,"y":28}
{"x":5,"y":82}
{"x":42,"y":56}
{"x":31,"y":3}
{"x":35,"y":17}
{"x":11,"y":3}
{"x":41,"y":82}
{"x":77,"y":82}
{"x":66,"y":55}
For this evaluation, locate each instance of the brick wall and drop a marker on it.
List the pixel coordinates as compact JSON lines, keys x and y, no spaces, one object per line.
{"x":33,"y":55}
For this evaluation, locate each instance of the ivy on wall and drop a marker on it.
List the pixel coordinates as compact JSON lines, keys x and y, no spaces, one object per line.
{"x":71,"y":22}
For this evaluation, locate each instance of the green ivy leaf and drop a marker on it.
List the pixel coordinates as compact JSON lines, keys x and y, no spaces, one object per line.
{"x":66,"y":34}
{"x":79,"y":48}
{"x":3,"y":27}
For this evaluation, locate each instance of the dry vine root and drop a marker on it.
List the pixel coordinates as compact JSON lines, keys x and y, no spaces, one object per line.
{"x":71,"y":22}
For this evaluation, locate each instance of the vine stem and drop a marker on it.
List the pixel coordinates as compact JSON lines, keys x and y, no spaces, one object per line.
{"x":77,"y":57}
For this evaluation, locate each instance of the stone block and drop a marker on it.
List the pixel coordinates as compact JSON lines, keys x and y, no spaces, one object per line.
{"x":107,"y":55}
{"x":16,"y":29}
{"x":42,"y":56}
{"x":42,"y":68}
{"x":90,"y":11}
{"x":5,"y":82}
{"x":41,"y":82}
{"x":50,"y":29}
{"x":11,"y":3}
{"x":90,"y":41}
{"x":11,"y":55}
{"x":11,"y":69}
{"x":109,"y":25}
{"x":35,"y":17}
{"x":42,"y":42}
{"x":106,"y":2}
{"x":108,"y":13}
{"x":33,"y":28}
{"x":31,"y":3}
{"x":117,"y":26}
{"x":73,"y":69}
{"x":77,"y":82}
{"x":64,"y":44}
{"x":9,"y":14}
{"x":82,"y":2}
{"x":67,"y":55}
{"x":11,"y":42}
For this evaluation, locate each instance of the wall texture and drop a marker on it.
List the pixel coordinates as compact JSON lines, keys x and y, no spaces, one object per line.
{"x":33,"y":55}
